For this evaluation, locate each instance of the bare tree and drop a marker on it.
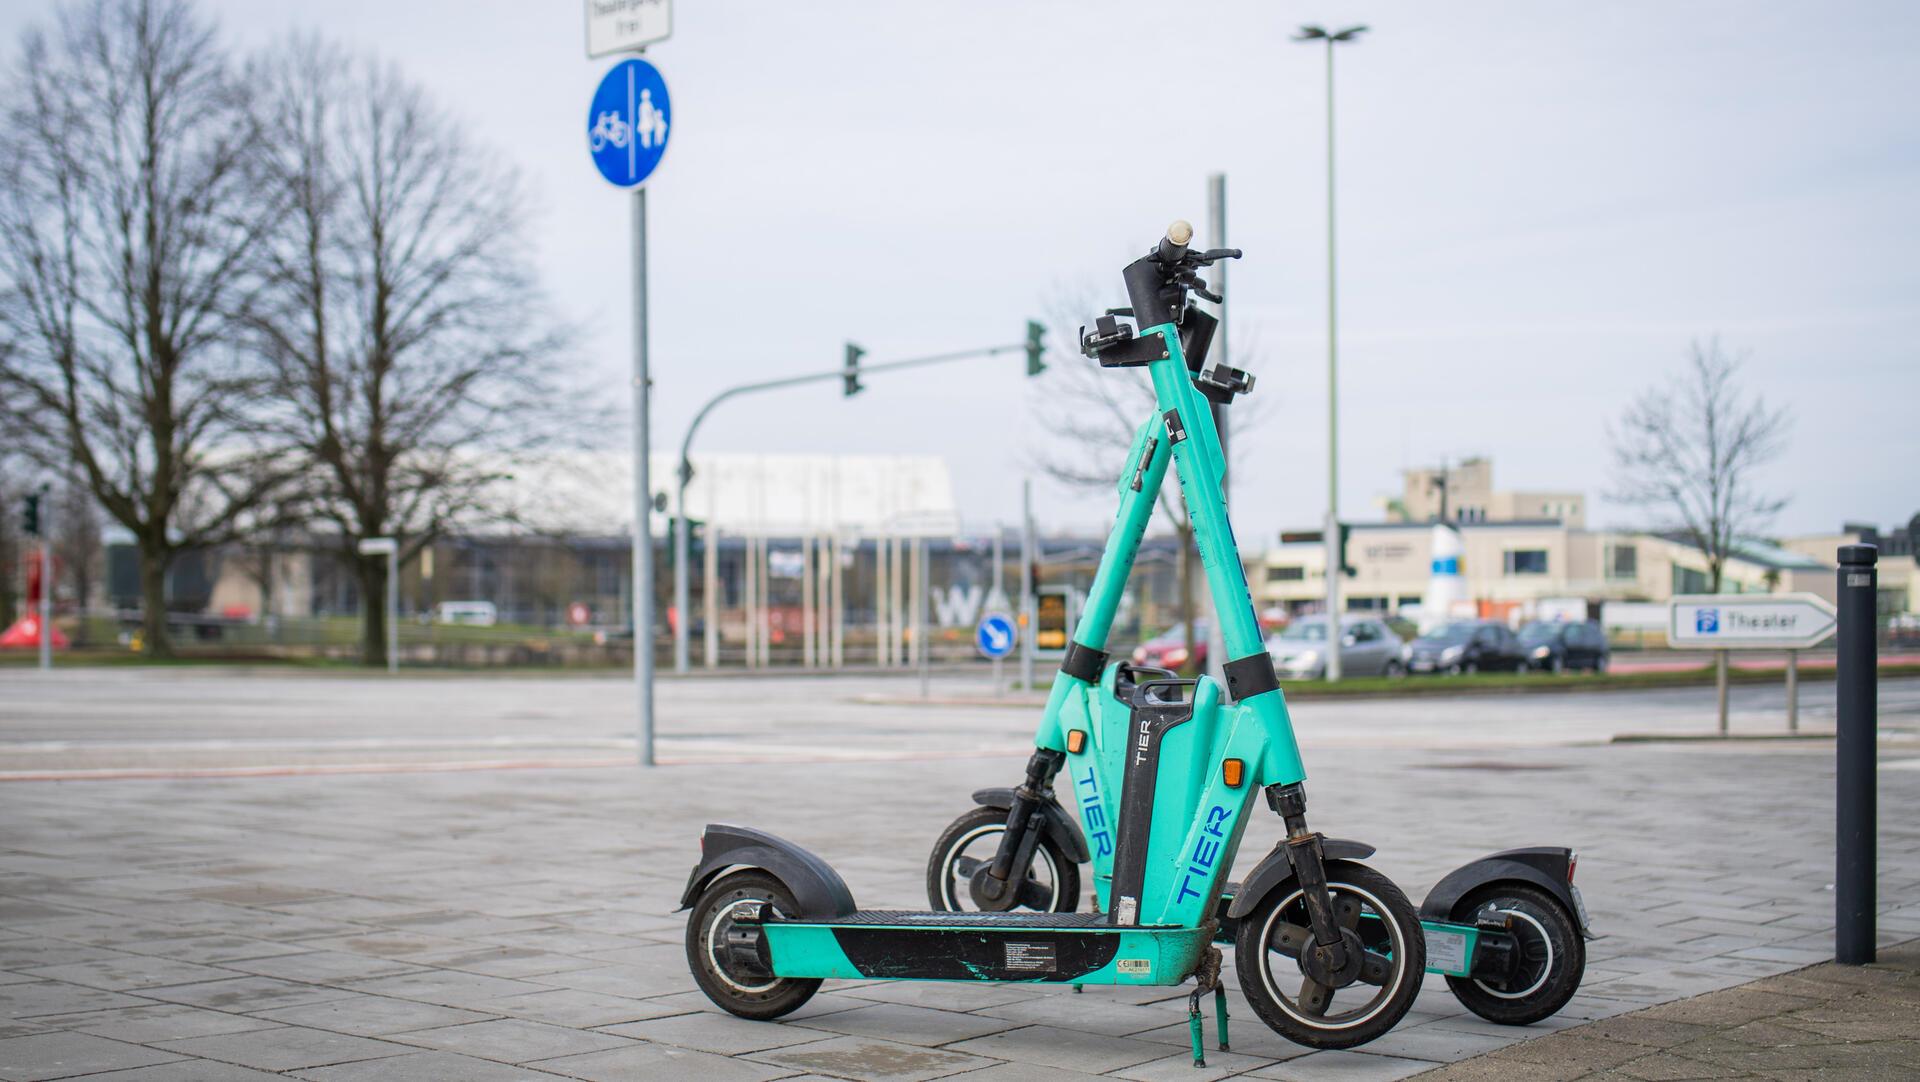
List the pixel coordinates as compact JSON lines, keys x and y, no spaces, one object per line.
{"x":1093,"y":413}
{"x":410,"y":342}
{"x":125,"y":215}
{"x":1688,"y":450}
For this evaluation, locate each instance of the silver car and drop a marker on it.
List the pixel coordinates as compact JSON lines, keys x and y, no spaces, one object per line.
{"x":1368,"y":647}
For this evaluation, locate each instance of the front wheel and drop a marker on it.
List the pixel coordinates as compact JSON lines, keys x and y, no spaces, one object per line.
{"x":1376,"y":920}
{"x":1051,"y":883}
{"x":1552,"y":956}
{"x":727,"y":956}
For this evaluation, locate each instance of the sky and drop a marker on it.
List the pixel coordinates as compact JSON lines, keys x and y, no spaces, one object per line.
{"x":1539,"y":206}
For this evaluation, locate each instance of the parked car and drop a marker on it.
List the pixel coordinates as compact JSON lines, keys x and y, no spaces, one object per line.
{"x":1368,"y":647}
{"x":1168,"y":650}
{"x":1558,"y":646}
{"x":1467,"y":646}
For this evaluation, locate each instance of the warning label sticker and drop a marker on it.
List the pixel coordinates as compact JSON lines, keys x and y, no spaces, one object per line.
{"x":1447,"y":951}
{"x":1031,"y":957}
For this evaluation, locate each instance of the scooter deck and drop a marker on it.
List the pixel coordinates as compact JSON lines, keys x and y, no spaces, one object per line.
{"x":1084,"y":948}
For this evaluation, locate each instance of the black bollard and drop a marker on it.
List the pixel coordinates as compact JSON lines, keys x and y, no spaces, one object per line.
{"x":1857,"y":724}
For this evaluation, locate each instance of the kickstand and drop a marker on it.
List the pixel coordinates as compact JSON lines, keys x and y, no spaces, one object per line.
{"x":1220,"y":1008}
{"x":1206,"y":978}
{"x":1195,"y":1026}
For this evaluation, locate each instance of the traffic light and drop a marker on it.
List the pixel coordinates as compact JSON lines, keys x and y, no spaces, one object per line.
{"x":850,"y":384}
{"x":30,"y":517}
{"x":1035,"y":348}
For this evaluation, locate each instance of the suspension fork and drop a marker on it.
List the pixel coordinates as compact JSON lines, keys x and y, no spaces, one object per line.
{"x":1017,"y":842}
{"x":1310,"y":868}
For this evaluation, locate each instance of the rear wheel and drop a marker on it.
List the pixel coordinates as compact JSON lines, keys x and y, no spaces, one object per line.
{"x":1395,"y":670}
{"x":1376,"y":921}
{"x":1051,"y":885}
{"x":726,"y":954}
{"x":1552,"y":955}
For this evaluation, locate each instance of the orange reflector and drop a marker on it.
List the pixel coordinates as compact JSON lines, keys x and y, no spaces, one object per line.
{"x":1076,"y":739}
{"x":1233,"y":772}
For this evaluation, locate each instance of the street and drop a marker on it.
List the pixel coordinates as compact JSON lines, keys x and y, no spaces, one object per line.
{"x":510,"y":923}
{"x":82,"y":722}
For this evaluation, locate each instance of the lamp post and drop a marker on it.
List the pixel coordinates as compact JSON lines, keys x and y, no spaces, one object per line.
{"x":1332,"y":534}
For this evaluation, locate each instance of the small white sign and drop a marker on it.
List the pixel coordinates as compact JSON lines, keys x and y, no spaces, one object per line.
{"x":1447,"y":951}
{"x":379,"y":546}
{"x":1749,"y":621}
{"x":622,"y":26}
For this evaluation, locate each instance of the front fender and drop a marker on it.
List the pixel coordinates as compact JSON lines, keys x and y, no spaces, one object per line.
{"x":1277,"y":867}
{"x":1060,"y":826}
{"x":1546,"y":867}
{"x":818,"y":891}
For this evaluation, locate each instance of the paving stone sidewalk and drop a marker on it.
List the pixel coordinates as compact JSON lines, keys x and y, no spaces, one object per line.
{"x":1825,"y":1021}
{"x":520,"y":924}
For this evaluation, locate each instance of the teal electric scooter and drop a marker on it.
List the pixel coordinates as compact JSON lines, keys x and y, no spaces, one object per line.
{"x":1329,"y":952}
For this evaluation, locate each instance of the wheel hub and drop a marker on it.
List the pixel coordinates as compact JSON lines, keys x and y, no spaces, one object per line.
{"x":738,"y":945}
{"x":981,"y":881}
{"x":1316,"y":961}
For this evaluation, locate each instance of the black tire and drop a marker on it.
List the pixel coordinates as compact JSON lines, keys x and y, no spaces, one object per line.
{"x":759,"y":996}
{"x":980,"y":829}
{"x":1395,"y":670}
{"x":1553,"y":953}
{"x":1471,"y":668}
{"x":1389,"y":929}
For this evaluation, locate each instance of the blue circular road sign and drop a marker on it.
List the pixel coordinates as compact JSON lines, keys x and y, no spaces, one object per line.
{"x":995,"y":634}
{"x":628,"y":123}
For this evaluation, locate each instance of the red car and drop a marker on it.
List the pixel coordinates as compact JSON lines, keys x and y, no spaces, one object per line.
{"x":1168,"y":650}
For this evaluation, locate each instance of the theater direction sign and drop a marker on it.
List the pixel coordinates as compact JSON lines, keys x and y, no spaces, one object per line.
{"x":1749,"y":621}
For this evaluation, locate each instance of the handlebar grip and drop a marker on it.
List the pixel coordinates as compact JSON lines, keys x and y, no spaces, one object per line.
{"x":1173,"y":246}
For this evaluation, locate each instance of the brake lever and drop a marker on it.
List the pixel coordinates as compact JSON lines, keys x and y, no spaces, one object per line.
{"x":1206,"y":293}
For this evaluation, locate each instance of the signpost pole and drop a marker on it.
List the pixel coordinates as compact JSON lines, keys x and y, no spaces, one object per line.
{"x":1793,"y":691}
{"x":1857,"y":718}
{"x":642,"y":498}
{"x":997,"y":596}
{"x":1720,"y":686}
{"x":1029,"y":618}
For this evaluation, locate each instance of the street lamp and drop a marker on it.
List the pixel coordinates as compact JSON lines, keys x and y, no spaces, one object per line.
{"x":1332,"y":532}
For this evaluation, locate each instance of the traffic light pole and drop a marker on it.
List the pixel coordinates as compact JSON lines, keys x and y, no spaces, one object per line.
{"x":681,"y":544}
{"x":46,"y":584}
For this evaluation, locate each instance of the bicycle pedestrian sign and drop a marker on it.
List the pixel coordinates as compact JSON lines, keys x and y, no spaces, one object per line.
{"x":628,"y":123}
{"x":995,"y":635}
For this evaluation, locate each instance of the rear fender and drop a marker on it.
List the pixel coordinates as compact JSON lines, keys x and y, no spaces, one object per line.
{"x":817,"y":889}
{"x":1546,"y":867}
{"x":1060,"y":827}
{"x":1277,"y":867}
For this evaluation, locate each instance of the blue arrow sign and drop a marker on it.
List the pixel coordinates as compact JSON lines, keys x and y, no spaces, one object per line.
{"x":995,"y":634}
{"x":628,"y":123}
